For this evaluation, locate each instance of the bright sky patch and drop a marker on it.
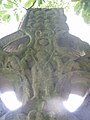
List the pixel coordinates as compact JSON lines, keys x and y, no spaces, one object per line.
{"x":73,"y":102}
{"x":10,"y":100}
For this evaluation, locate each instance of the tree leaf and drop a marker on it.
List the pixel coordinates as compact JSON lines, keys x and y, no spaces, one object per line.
{"x":9,"y":5}
{"x":28,"y":4}
{"x":2,"y":12}
{"x":77,"y":7}
{"x":39,"y":2}
{"x":0,"y":2}
{"x":86,"y":16}
{"x":6,"y":17}
{"x":20,"y":1}
{"x":17,"y":16}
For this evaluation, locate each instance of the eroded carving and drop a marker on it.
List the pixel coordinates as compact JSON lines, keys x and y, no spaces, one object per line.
{"x":46,"y":58}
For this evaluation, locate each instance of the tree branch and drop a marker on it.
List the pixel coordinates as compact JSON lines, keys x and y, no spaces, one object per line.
{"x":15,"y":3}
{"x":32,"y":5}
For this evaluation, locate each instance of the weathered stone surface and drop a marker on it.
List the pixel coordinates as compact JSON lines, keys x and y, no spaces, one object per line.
{"x":49,"y":61}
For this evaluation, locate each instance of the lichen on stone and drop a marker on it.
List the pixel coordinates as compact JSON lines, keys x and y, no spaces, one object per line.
{"x":46,"y":57}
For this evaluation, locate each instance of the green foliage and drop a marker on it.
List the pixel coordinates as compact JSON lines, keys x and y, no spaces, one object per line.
{"x":9,"y":8}
{"x":17,"y":16}
{"x":6,"y":17}
{"x":14,"y":6}
{"x":20,"y":0}
{"x":86,"y":16}
{"x":2,"y":12}
{"x":9,"y":5}
{"x":31,"y":3}
{"x":40,"y":2}
{"x":83,"y":7}
{"x":0,"y":2}
{"x":77,"y":8}
{"x":28,"y":4}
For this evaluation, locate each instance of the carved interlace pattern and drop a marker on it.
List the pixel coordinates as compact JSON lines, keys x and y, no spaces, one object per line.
{"x":46,"y":60}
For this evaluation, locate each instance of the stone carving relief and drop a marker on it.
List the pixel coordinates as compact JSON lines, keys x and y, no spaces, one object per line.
{"x":48,"y":61}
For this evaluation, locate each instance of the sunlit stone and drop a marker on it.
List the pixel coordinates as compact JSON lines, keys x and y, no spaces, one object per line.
{"x":54,"y":106}
{"x":73,"y":102}
{"x":10,"y":100}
